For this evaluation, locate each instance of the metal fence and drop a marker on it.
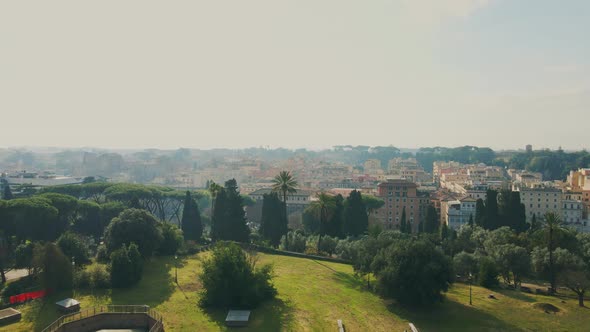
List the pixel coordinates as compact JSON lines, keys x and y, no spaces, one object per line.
{"x":108,"y":309}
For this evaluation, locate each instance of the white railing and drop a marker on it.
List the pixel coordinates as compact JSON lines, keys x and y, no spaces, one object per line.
{"x":108,"y":309}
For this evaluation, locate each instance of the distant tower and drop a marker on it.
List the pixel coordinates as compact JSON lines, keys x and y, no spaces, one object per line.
{"x":529,"y":148}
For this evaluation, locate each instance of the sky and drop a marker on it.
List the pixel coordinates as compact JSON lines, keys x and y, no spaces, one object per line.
{"x":295,"y":73}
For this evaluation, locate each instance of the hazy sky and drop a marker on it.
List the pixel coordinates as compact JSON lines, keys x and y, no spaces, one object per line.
{"x":297,"y":73}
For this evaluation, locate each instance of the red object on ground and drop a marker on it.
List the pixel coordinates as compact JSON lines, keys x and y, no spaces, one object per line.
{"x":20,"y":298}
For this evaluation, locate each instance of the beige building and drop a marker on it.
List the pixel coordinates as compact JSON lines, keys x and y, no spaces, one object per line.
{"x":400,"y":194}
{"x":538,"y":201}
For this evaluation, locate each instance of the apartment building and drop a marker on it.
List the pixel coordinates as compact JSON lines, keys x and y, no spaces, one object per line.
{"x":538,"y":201}
{"x":400,"y":194}
{"x":456,"y":213}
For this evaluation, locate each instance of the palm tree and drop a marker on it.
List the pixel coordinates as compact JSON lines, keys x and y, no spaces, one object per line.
{"x":323,"y":207}
{"x":285,"y":184}
{"x":552,"y":223}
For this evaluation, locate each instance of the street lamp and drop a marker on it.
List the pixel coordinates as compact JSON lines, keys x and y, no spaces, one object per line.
{"x":176,"y":269}
{"x":470,"y":297}
{"x":73,"y":272}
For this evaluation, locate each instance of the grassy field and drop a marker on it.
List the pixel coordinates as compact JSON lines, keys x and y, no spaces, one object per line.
{"x":312,"y":296}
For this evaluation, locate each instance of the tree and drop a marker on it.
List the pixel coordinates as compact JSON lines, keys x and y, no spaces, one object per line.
{"x":488,"y":273}
{"x":310,"y":220}
{"x":372,"y":203}
{"x":413,"y":272}
{"x":273,"y":224}
{"x":32,"y":218}
{"x":285,"y":184}
{"x":403,"y":225}
{"x":356,"y":219}
{"x":512,"y":211}
{"x":534,"y":224}
{"x":7,"y":193}
{"x":229,"y":217}
{"x":66,"y":206}
{"x":480,"y":213}
{"x":465,"y":264}
{"x":6,"y":255}
{"x":513,"y":262}
{"x":74,"y":247}
{"x":430,"y":221}
{"x":137,"y":226}
{"x":323,"y":207}
{"x":293,"y":241}
{"x":470,"y":222}
{"x":88,"y":219}
{"x":126,"y":266}
{"x":56,"y":267}
{"x":552,"y":223}
{"x":23,"y":256}
{"x":335,"y":226}
{"x":577,"y":279}
{"x":230,"y":278}
{"x":491,"y":220}
{"x":213,"y":189}
{"x":192,"y":228}
{"x":548,"y":263}
{"x":171,"y":239}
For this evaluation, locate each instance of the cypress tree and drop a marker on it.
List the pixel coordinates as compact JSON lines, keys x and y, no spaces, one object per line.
{"x":470,"y":222}
{"x":229,"y":217}
{"x":403,"y":226}
{"x":356,"y":220}
{"x":480,"y":212}
{"x":431,"y":223}
{"x":7,"y":194}
{"x":491,"y":220}
{"x":191,"y":224}
{"x":273,"y":224}
{"x":335,"y":226}
{"x":219,"y":218}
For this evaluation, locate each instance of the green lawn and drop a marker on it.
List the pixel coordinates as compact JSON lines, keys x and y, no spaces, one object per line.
{"x":312,"y":296}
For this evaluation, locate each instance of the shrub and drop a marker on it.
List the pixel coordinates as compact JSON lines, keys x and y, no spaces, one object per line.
{"x":293,"y":241}
{"x":82,"y":279}
{"x":231,"y":279}
{"x":328,"y":245}
{"x":311,"y":249}
{"x":347,"y":249}
{"x":99,"y":276}
{"x":95,"y":276}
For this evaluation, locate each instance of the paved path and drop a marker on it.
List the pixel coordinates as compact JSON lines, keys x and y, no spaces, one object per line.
{"x":16,"y":274}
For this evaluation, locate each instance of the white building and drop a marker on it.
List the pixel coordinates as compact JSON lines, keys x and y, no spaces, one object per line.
{"x":457,"y":213}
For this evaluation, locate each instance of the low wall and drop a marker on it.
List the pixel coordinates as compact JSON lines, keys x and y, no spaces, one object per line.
{"x":292,"y":254}
{"x":254,"y":247}
{"x":110,"y":321}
